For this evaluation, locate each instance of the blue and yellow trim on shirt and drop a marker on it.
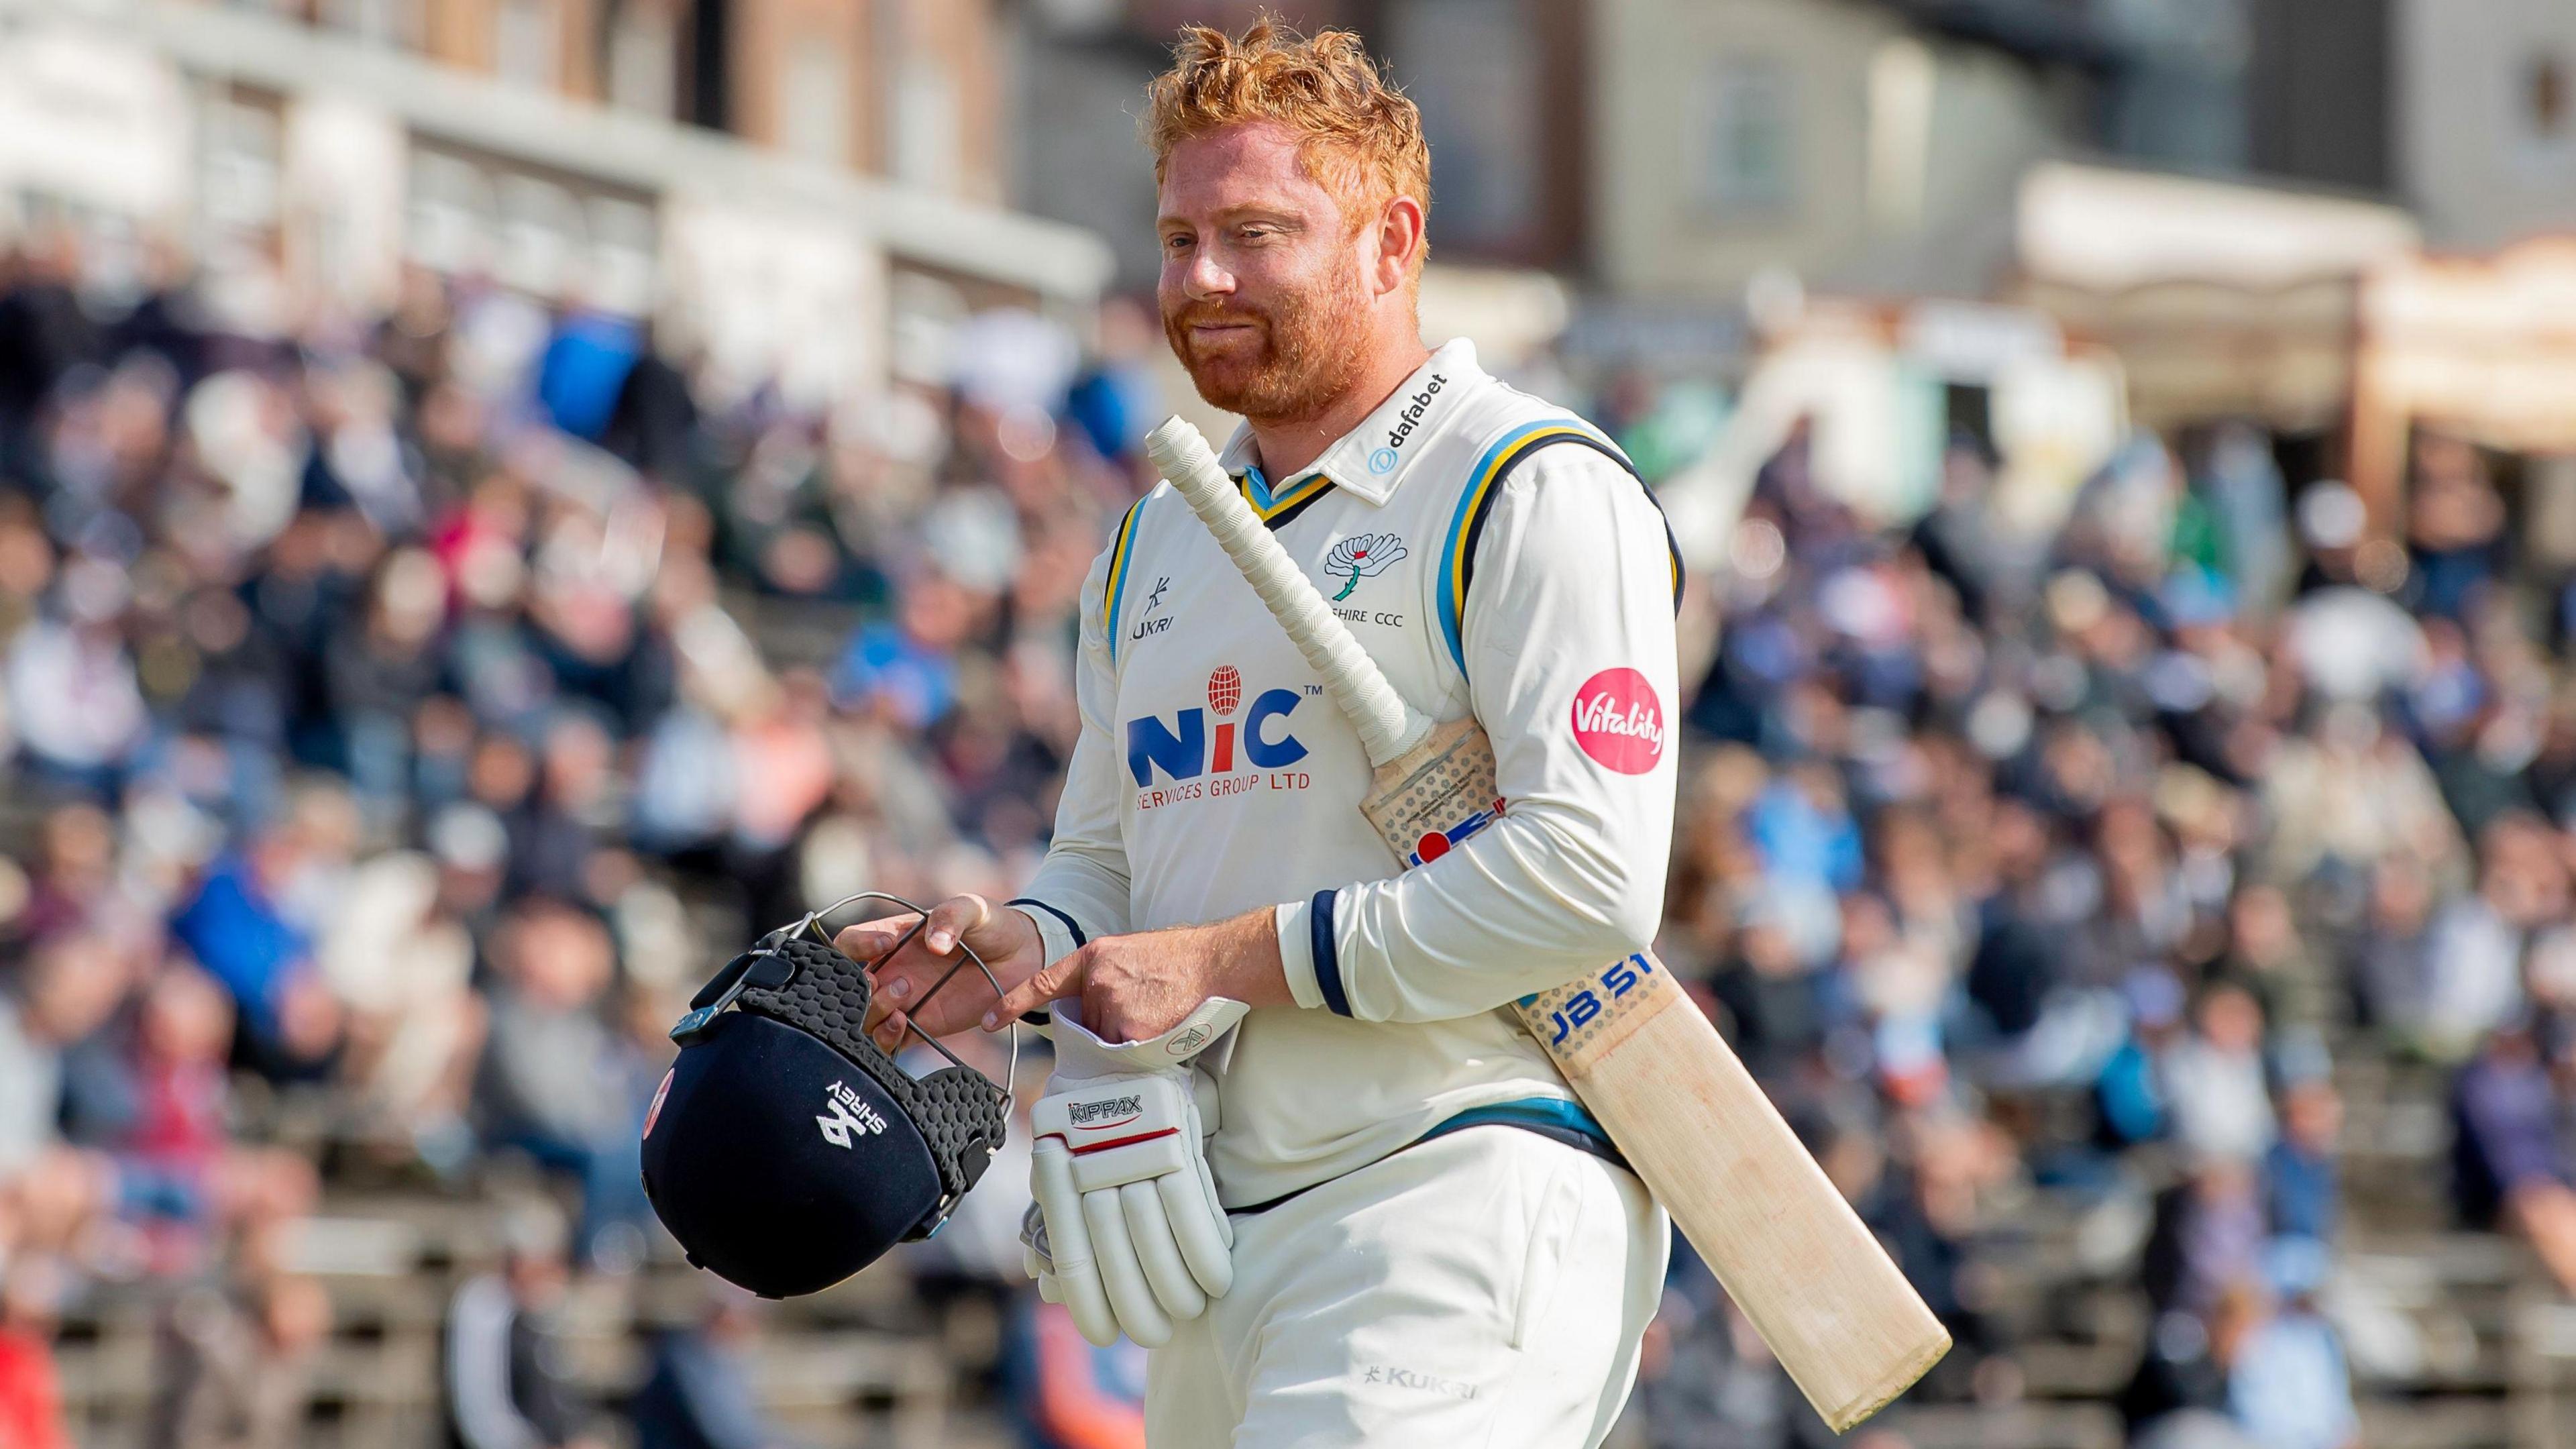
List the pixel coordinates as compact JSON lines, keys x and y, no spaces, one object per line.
{"x":1274,"y":507}
{"x":1484,"y":485}
{"x":1113,"y":588}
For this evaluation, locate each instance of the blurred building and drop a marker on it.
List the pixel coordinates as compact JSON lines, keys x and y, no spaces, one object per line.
{"x":1502,"y":85}
{"x":907,"y":89}
{"x":1842,"y":141}
{"x":1672,"y":148}
{"x":2486,"y":108}
{"x":783,"y":185}
{"x":786,"y":186}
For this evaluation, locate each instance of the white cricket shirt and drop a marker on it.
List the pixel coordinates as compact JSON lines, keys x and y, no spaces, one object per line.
{"x":1494,"y":555}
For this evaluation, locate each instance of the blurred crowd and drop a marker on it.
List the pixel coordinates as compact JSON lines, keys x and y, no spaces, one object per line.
{"x":2066,"y":864}
{"x":391,"y":708}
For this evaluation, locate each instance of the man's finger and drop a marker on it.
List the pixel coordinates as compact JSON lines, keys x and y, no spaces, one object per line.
{"x":952,"y":919}
{"x":868,"y":940}
{"x":1051,"y":983}
{"x":1103,"y":1015}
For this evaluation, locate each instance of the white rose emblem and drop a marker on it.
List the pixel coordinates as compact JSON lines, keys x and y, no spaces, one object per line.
{"x":1363,"y":556}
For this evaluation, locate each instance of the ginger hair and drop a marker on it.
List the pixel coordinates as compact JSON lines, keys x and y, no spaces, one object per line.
{"x":1361,"y":137}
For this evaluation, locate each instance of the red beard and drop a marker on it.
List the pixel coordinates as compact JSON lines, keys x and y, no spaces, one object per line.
{"x":1303,"y":355}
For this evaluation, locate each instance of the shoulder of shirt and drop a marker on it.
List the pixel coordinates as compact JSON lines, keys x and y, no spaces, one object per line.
{"x":1520,"y":440}
{"x":1505,"y":426}
{"x":1515,"y":439}
{"x":1108,"y":572}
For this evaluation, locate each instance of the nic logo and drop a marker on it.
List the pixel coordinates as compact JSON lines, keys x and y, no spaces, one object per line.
{"x":1182,"y":749}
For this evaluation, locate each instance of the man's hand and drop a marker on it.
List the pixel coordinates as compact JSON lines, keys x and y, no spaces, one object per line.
{"x":1135,"y":987}
{"x":1006,"y":939}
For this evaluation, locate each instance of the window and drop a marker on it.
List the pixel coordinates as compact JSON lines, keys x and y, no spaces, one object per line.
{"x":2546,"y":104}
{"x":1472,"y":68}
{"x":926,"y":149}
{"x":643,"y":58}
{"x":814,"y":102}
{"x":1744,"y":133}
{"x":526,"y":43}
{"x":377,"y":22}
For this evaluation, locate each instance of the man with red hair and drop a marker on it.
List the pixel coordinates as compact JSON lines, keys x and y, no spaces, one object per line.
{"x":1431,"y":1242}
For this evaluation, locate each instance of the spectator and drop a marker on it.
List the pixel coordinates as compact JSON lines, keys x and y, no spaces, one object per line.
{"x":584,"y":368}
{"x":79,"y":711}
{"x":178,"y":1171}
{"x":2348,"y":793}
{"x":179,"y":1049}
{"x":2301,"y":1180}
{"x":1114,"y":399}
{"x":2391,"y":976}
{"x":2474,"y":946}
{"x":2180,"y":1396}
{"x":399,"y":957}
{"x":555,"y":826}
{"x":31,"y":1397}
{"x":44,"y":330}
{"x":242,"y":926}
{"x":553,"y":1083}
{"x":2213,"y":1078}
{"x":2129,"y":1094}
{"x":2208,"y":1237}
{"x":699,"y":1392}
{"x":1078,"y":1396}
{"x":1776,"y":1005}
{"x":905,"y":671}
{"x":503,"y":1369}
{"x":238,"y":1374}
{"x":2265,"y":956}
{"x":2287,"y":1384}
{"x":1805,"y":833}
{"x":65,"y":993}
{"x":2454,"y":521}
{"x":377,"y":668}
{"x":73,"y":883}
{"x":2509,"y":1169}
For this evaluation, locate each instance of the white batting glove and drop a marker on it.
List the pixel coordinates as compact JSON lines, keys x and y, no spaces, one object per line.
{"x":1126,"y":1231}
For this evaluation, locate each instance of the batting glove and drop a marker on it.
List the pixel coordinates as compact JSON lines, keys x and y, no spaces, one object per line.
{"x":1126,"y":1231}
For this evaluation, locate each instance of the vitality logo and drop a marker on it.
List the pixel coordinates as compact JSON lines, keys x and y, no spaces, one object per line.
{"x":1184,"y":748}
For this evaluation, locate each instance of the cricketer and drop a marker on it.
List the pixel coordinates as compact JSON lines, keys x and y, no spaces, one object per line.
{"x":1297,"y":1143}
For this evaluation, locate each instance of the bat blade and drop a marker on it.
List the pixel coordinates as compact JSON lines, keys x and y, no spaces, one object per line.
{"x":1808,"y":1273}
{"x":1643,"y":1058}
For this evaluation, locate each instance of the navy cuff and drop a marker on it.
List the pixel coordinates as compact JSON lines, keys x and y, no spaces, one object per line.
{"x":1328,"y":965}
{"x":1069,"y":925}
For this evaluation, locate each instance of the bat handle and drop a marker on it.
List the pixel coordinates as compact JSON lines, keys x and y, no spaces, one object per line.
{"x":1388,"y":725}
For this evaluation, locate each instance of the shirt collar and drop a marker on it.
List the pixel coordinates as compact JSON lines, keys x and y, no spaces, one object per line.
{"x":1371,"y":459}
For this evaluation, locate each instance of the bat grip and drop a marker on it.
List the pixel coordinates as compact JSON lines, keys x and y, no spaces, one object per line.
{"x":1388,"y":726}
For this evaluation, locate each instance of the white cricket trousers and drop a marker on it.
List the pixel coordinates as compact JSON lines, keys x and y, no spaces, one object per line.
{"x":1482,"y":1290}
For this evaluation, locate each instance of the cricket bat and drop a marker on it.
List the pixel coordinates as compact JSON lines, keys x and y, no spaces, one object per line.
{"x":1639,"y":1052}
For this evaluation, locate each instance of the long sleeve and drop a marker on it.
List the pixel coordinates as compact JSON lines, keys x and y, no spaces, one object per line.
{"x":1571,"y":667}
{"x":1081,"y":889}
